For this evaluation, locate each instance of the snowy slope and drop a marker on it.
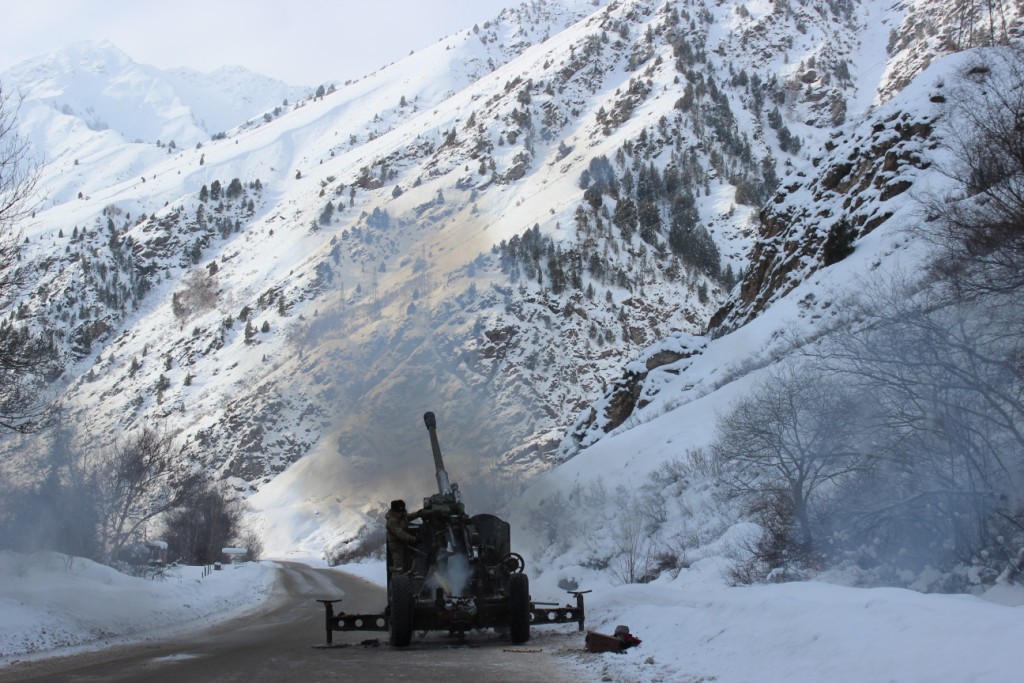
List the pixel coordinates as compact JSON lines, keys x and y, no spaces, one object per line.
{"x":373,"y":317}
{"x":644,"y":482}
{"x":678,"y":399}
{"x":397,"y":301}
{"x":98,"y":85}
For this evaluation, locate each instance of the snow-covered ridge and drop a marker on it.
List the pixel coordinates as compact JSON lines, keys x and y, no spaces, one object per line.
{"x":862,"y":180}
{"x":392,"y":302}
{"x":101,"y":86}
{"x":930,"y":29}
{"x":855,"y":184}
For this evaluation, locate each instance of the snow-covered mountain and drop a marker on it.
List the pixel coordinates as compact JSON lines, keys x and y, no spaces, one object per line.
{"x":96,"y":85}
{"x":490,"y":228}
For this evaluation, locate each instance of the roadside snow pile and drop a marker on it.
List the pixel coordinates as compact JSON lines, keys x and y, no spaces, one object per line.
{"x":47,"y":602}
{"x":697,"y":628}
{"x":374,"y":571}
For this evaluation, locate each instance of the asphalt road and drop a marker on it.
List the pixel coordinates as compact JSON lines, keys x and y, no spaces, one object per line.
{"x":284,"y":643}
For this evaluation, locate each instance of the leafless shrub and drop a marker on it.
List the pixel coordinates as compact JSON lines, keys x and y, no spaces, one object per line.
{"x":744,"y":567}
{"x":198,"y":295}
{"x":253,"y":544}
{"x":652,"y":507}
{"x":693,"y":465}
{"x":670,"y":556}
{"x":599,"y":562}
{"x":631,"y":562}
{"x":981,"y":233}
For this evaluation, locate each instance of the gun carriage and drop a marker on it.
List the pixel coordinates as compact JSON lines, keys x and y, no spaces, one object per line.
{"x":459,"y":574}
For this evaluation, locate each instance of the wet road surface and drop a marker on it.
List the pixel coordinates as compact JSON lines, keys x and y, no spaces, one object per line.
{"x":284,"y":643}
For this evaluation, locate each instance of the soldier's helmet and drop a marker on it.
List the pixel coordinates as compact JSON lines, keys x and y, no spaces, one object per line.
{"x":398,"y":505}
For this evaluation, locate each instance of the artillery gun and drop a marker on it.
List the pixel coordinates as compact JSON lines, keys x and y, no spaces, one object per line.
{"x":460,"y":574}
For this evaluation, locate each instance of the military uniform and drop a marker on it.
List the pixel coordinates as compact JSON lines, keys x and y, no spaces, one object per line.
{"x":397,"y":520}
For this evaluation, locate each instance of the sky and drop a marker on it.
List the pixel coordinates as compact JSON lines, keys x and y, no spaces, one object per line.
{"x":302,"y":42}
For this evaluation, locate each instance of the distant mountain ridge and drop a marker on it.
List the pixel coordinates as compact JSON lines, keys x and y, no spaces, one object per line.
{"x":102,"y":86}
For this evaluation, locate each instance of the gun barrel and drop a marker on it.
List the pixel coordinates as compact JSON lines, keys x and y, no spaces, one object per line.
{"x":443,"y":485}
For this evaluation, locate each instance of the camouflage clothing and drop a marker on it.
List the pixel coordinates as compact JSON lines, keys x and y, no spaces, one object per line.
{"x":398,"y":537}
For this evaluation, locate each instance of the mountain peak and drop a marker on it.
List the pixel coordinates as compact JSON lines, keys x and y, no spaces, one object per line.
{"x":99,"y":84}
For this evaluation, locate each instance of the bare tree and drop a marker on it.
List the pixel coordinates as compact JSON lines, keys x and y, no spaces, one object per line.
{"x":631,"y":535}
{"x":202,"y":524}
{"x":22,"y":354}
{"x":253,"y":544}
{"x":791,"y":438}
{"x":19,"y":174}
{"x":941,"y":357}
{"x":946,"y":384}
{"x":981,"y":232}
{"x":137,"y":483}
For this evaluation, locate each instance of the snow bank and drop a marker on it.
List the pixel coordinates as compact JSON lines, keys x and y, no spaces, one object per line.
{"x":702,"y":630}
{"x":693,"y":628}
{"x":48,"y":602}
{"x":373,"y":571}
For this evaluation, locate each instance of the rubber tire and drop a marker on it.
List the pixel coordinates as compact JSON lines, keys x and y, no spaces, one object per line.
{"x":400,"y":623}
{"x":519,"y":608}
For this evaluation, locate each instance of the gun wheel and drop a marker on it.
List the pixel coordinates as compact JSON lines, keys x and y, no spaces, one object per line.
{"x":400,"y":601}
{"x":514,"y":563}
{"x":519,"y":608}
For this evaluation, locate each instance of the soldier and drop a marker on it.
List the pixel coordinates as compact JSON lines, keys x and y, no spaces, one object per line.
{"x":398,"y":534}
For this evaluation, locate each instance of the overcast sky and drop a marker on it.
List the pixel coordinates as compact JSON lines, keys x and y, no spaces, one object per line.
{"x":302,"y":42}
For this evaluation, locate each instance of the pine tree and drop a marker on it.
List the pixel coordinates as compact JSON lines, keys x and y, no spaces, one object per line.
{"x":327,"y":214}
{"x":625,"y":217}
{"x":234,"y":189}
{"x":839,"y":242}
